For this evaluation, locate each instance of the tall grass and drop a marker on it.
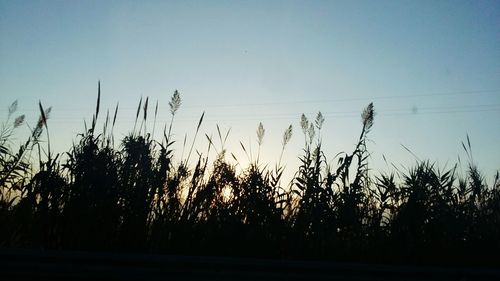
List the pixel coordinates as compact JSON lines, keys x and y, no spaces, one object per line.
{"x":135,"y":195}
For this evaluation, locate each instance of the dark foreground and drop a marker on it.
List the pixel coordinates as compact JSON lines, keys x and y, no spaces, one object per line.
{"x":48,"y":265}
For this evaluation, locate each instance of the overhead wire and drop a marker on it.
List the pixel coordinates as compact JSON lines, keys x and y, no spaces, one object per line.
{"x":372,"y":98}
{"x":477,"y":108}
{"x":398,"y":111}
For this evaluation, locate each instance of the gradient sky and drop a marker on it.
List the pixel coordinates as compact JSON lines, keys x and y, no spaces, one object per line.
{"x":432,"y":69}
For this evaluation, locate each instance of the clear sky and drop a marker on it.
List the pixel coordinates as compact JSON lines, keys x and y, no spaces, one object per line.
{"x":432,"y":69}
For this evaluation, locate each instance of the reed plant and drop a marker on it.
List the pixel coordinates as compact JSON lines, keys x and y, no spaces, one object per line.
{"x":137,"y":194}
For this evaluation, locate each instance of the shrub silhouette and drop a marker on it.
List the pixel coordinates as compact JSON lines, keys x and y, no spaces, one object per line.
{"x":136,"y":196}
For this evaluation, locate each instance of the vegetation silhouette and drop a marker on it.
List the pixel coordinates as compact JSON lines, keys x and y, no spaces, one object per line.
{"x":134,"y":196}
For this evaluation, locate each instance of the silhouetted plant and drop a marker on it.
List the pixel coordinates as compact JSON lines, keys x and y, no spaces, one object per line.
{"x":134,"y":195}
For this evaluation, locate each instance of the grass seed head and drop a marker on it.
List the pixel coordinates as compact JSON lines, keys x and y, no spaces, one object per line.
{"x":367,"y":116}
{"x":287,"y":135}
{"x":175,"y":102}
{"x":260,"y":133}
{"x":19,"y":121}
{"x":304,"y":123}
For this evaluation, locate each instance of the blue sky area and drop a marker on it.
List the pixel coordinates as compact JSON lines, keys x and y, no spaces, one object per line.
{"x":432,"y":69}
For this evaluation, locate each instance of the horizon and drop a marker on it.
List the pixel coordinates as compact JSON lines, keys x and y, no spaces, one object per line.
{"x":431,"y":70}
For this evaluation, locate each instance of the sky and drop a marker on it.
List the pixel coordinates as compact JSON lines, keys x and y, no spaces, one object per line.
{"x":431,"y":68}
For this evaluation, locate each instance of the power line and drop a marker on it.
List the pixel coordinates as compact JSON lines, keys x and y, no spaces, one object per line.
{"x":358,"y":98}
{"x":329,"y":114}
{"x":389,"y":97}
{"x":357,"y":112}
{"x":296,"y":116}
